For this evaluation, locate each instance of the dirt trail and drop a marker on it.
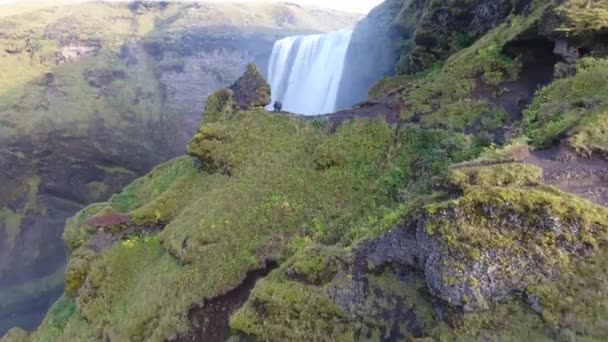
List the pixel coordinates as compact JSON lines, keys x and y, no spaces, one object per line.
{"x":211,"y":320}
{"x":585,"y":177}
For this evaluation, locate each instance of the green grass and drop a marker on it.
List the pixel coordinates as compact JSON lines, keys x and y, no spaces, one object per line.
{"x":582,"y":19}
{"x":467,"y":114}
{"x":289,"y":182}
{"x":513,"y":174}
{"x":443,"y":95}
{"x":571,"y":107}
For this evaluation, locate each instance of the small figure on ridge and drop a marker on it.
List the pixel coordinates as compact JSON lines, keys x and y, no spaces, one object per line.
{"x":278,"y":106}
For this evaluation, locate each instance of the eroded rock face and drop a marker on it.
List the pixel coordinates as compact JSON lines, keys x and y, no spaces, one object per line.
{"x":372,"y":54}
{"x":405,"y":37}
{"x":493,"y":242}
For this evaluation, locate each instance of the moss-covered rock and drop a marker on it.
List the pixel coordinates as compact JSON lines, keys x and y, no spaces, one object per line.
{"x":251,"y":90}
{"x":505,"y":233}
{"x":443,"y":27}
{"x":352,"y":305}
{"x":573,"y":107}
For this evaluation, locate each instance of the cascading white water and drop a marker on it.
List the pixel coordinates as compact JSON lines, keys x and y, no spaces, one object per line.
{"x":305,"y":71}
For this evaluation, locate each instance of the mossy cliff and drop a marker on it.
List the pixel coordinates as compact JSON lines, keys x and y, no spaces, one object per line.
{"x":451,"y":224}
{"x":95,"y":94}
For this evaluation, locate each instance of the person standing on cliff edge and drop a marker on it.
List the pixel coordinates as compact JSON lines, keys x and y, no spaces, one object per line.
{"x":278,"y":106}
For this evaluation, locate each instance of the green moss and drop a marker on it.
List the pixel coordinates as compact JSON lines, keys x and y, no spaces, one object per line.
{"x":316,"y":266}
{"x":511,"y":321}
{"x":445,"y":95}
{"x":414,"y":292}
{"x":572,"y":106}
{"x":147,"y":189}
{"x":473,"y":231}
{"x":389,"y":85}
{"x":592,"y":135}
{"x":116,"y":294}
{"x":219,"y":105}
{"x":292,"y":312}
{"x":275,"y":194}
{"x":60,"y":313}
{"x":582,"y":19}
{"x":464,"y":115}
{"x":577,"y":302}
{"x":77,"y":270}
{"x":509,"y":174}
{"x":455,"y":81}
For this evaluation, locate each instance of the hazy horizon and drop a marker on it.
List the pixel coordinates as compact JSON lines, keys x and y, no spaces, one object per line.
{"x":359,"y":6}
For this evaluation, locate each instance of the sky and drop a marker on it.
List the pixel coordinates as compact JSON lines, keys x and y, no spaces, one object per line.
{"x":359,"y":6}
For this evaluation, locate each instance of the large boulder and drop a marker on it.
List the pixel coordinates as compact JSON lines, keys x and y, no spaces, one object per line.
{"x":251,"y":90}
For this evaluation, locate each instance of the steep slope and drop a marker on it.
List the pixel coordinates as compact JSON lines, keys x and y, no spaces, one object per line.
{"x":455,"y":220}
{"x":94,"y":95}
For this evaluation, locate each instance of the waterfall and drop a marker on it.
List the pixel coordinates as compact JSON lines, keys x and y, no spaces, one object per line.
{"x":305,"y":71}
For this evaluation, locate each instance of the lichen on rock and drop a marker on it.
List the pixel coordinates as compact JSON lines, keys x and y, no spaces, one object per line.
{"x":251,"y":90}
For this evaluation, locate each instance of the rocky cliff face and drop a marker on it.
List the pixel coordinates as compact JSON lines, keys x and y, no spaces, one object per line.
{"x":371,"y":55}
{"x":93,"y":95}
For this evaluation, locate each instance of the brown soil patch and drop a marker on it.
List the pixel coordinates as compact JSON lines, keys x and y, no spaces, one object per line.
{"x":211,"y":320}
{"x":564,"y":169}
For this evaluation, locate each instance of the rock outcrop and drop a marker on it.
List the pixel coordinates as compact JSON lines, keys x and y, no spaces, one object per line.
{"x":251,"y":90}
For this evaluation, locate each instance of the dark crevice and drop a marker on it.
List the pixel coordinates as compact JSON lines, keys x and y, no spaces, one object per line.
{"x":538,"y":69}
{"x":210,"y":321}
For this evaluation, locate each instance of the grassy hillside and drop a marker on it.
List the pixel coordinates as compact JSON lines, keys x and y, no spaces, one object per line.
{"x":94,"y":94}
{"x":478,"y":213}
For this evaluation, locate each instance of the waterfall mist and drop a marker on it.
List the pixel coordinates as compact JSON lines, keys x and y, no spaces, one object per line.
{"x":305,"y":71}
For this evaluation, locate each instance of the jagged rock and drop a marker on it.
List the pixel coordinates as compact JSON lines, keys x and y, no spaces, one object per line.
{"x":251,"y":90}
{"x":491,"y":243}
